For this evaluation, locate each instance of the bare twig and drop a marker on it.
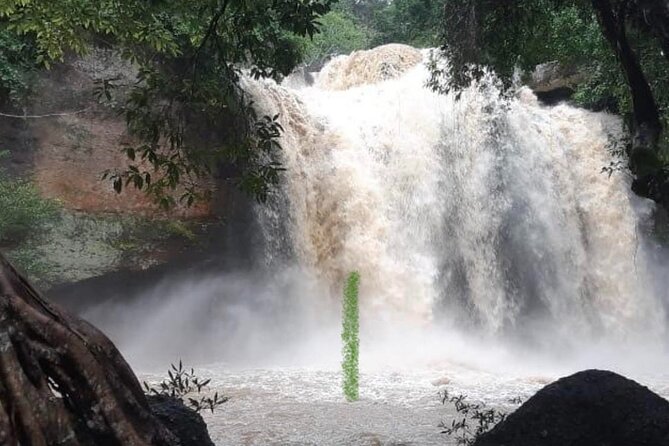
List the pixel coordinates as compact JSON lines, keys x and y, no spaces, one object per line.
{"x":50,"y":115}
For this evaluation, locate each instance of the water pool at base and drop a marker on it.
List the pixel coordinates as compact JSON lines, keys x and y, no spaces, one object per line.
{"x":300,"y":406}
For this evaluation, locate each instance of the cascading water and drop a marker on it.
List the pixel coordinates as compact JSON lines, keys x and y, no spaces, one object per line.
{"x":495,"y":257}
{"x":488,"y":209}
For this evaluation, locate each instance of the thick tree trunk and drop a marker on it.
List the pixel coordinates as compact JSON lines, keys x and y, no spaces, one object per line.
{"x":647,"y":122}
{"x":62,"y":382}
{"x":651,"y":178}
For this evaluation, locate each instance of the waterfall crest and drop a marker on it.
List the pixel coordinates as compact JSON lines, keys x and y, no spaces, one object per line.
{"x":484,"y":209}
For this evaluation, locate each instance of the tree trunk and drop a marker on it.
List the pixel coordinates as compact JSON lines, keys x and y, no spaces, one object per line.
{"x":651,"y":178}
{"x":63,"y":382}
{"x":647,"y":122}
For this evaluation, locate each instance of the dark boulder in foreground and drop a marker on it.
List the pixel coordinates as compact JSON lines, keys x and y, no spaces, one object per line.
{"x":185,"y":423}
{"x":591,"y":408}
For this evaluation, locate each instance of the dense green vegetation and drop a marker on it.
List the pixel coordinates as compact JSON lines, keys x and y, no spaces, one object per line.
{"x":530,"y":33}
{"x":350,"y":338}
{"x":189,"y":56}
{"x":412,"y":22}
{"x":17,"y":65}
{"x":341,"y":33}
{"x":619,"y":47}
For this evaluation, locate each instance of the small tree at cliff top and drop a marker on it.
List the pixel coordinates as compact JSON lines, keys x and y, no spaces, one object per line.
{"x":350,"y":338}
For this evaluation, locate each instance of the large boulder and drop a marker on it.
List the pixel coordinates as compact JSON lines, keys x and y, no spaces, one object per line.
{"x":591,"y":408}
{"x":185,"y":423}
{"x":552,"y":76}
{"x":554,"y":83}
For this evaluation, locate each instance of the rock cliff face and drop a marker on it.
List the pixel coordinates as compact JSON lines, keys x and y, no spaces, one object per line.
{"x":64,"y":153}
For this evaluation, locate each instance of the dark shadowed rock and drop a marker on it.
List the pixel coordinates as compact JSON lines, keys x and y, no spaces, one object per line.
{"x":653,"y":185}
{"x":591,"y":408}
{"x":185,"y":423}
{"x":554,"y":97}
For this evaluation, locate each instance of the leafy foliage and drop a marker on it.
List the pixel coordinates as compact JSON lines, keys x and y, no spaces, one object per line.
{"x":341,"y":33}
{"x":615,"y":45}
{"x":618,"y":151}
{"x":474,"y":419}
{"x":17,"y":57}
{"x":350,"y":338}
{"x":412,"y":22}
{"x":184,"y":385}
{"x":511,"y":35}
{"x":190,"y":57}
{"x":503,"y":36}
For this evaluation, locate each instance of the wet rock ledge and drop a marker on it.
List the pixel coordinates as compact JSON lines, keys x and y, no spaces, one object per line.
{"x":185,"y":423}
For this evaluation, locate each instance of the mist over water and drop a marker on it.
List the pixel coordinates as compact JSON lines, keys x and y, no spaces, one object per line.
{"x":488,"y":239}
{"x":490,"y":213}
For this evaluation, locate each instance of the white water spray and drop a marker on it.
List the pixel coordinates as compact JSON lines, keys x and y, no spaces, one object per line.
{"x":493,"y":211}
{"x":469,"y":221}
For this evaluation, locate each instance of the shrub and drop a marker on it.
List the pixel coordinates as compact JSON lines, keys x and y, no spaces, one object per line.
{"x":474,"y":419}
{"x":185,"y":386}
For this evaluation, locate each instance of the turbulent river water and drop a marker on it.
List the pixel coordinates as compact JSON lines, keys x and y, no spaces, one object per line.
{"x":495,"y":257}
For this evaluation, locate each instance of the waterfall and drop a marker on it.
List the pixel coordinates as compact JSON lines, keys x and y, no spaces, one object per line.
{"x":489,"y":210}
{"x":494,"y":254}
